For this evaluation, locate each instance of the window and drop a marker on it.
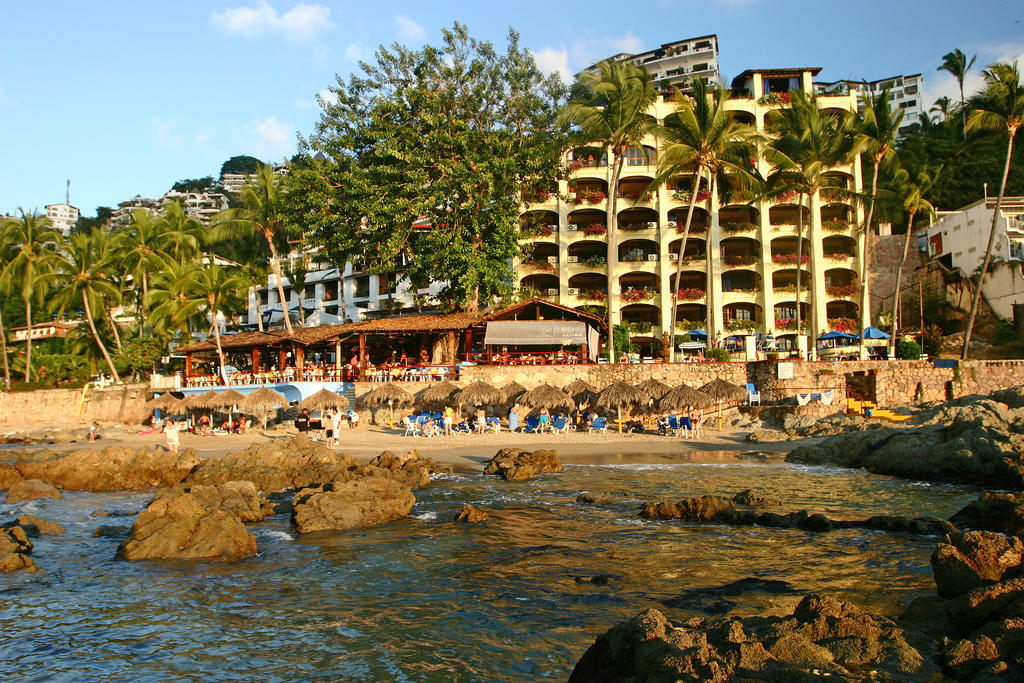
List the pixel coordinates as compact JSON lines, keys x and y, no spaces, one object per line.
{"x":330,"y":291}
{"x":637,"y":156}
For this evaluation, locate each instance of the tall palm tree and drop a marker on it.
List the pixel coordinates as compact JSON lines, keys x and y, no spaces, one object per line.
{"x":956,"y":63}
{"x":941,"y":108}
{"x":104,"y":245}
{"x":807,"y":144}
{"x":261,"y":214}
{"x":170,"y":290}
{"x":82,"y":279}
{"x":609,"y":106}
{"x":1001,"y":109}
{"x":911,"y":186}
{"x":704,"y":139}
{"x":212,"y":289}
{"x":6,"y":250}
{"x":876,"y":130}
{"x":184,"y":235}
{"x":34,"y":262}
{"x":142,"y":248}
{"x":252,"y":257}
{"x":297,"y":273}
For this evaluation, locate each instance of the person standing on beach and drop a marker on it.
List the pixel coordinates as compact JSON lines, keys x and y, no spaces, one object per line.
{"x":94,"y":431}
{"x":543,"y":420}
{"x":513,"y":418}
{"x":329,"y":428}
{"x":336,"y":427}
{"x":449,"y":420}
{"x":171,"y":435}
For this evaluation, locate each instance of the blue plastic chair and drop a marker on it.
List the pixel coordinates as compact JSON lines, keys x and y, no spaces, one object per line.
{"x":600,"y":425}
{"x":436,"y":416}
{"x":673,"y":423}
{"x":494,"y":423}
{"x":532,"y":424}
{"x":560,"y":425}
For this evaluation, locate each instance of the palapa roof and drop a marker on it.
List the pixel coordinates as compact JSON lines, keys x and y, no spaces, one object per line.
{"x":200,"y":400}
{"x":479,"y":393}
{"x":324,"y":399}
{"x":511,"y":391}
{"x":684,"y":396}
{"x":264,"y":397}
{"x":226,"y":399}
{"x":385,"y":392}
{"x":582,"y":392}
{"x":720,"y":390}
{"x":438,"y":393}
{"x":165,"y":401}
{"x":546,"y":396}
{"x":620,"y":394}
{"x":653,"y":388}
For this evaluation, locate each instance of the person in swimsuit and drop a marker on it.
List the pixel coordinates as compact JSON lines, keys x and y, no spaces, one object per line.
{"x":172,"y":436}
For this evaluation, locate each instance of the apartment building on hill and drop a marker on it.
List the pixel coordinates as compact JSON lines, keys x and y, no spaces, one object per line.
{"x":679,"y":62}
{"x":904,"y":94}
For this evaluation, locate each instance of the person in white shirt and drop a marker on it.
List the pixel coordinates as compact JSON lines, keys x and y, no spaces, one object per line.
{"x":336,"y":428}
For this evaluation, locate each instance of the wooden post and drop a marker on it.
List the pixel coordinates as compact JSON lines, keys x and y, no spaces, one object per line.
{"x":188,"y":365}
{"x":337,"y":359}
{"x":468,"y":343}
{"x":362,"y":350}
{"x":300,"y":361}
{"x":451,"y":350}
{"x":255,"y":359}
{"x":584,"y":356}
{"x":282,"y":359}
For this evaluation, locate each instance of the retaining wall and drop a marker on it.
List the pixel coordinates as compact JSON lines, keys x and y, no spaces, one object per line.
{"x":65,"y":406}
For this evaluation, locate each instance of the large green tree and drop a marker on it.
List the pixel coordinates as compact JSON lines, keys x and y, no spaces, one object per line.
{"x":703,"y":139}
{"x":213,"y":290}
{"x":1002,"y":111}
{"x":609,"y":108}
{"x":142,"y":249}
{"x":34,"y":260}
{"x":423,"y":158}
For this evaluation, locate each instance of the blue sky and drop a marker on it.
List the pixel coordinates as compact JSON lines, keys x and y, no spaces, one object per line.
{"x":125,"y":98}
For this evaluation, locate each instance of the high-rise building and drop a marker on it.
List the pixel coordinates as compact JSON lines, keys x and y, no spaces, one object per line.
{"x":740,"y":264}
{"x":904,"y":94}
{"x":678,"y":63}
{"x":62,"y":216}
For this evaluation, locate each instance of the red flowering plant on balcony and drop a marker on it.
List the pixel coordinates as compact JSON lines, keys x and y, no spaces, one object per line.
{"x":838,"y":256}
{"x":632,"y":295}
{"x":786,"y":197}
{"x":842,"y":290}
{"x":634,"y":226}
{"x":739,"y":325}
{"x":695,"y":229}
{"x":585,"y":195}
{"x":739,"y":227}
{"x":537,"y":195}
{"x":739,"y":260}
{"x":694,"y":258}
{"x":595,"y":229}
{"x":593,"y":295}
{"x":690,"y":294}
{"x":683,"y":196}
{"x":537,"y":230}
{"x":790,"y":259}
{"x":789,"y":324}
{"x":781,"y":98}
{"x":848,"y":325}
{"x":540,"y":265}
{"x":836,"y":225}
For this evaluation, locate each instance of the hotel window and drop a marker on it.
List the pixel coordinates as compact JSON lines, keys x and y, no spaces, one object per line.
{"x":637,"y":156}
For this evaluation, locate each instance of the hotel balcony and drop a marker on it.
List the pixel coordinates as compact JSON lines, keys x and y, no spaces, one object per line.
{"x":638,"y":254}
{"x":541,"y":199}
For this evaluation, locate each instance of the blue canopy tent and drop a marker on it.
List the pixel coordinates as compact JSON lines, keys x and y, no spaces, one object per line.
{"x":875,"y":333}
{"x":837,"y":336}
{"x":697,"y":332}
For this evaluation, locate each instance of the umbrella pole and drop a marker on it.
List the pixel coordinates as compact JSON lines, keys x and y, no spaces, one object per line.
{"x":618,"y":413}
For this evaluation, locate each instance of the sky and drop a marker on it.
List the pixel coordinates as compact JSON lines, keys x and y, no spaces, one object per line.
{"x":125,"y":98}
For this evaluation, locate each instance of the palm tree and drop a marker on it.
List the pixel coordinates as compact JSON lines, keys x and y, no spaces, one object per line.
{"x":34,"y":262}
{"x":941,"y":108}
{"x":212,"y":289}
{"x":876,"y":130}
{"x":171,"y":289}
{"x":261,"y":213}
{"x":609,"y":106}
{"x":807,"y":145}
{"x":82,"y":278}
{"x":184,"y":235}
{"x":104,"y":245}
{"x":251,"y":256}
{"x":704,"y":139}
{"x":1001,"y":108}
{"x":142,"y":249}
{"x":956,"y":63}
{"x":912,"y":186}
{"x":5,"y":256}
{"x":297,"y":273}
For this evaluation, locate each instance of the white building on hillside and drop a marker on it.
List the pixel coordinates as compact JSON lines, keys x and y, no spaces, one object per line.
{"x":904,"y":94}
{"x":62,"y":216}
{"x":236,"y":182}
{"x":679,"y":62}
{"x":199,"y":205}
{"x":959,"y":238}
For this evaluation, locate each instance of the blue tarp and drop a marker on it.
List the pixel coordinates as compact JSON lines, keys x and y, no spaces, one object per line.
{"x":697,"y":332}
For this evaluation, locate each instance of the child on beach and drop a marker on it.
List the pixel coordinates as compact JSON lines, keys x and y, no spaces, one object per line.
{"x":329,"y":428}
{"x":94,"y":431}
{"x":544,"y":420}
{"x":449,"y":420}
{"x":171,"y":435}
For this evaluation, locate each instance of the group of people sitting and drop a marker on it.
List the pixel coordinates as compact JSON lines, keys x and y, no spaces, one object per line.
{"x":329,"y":423}
{"x":204,"y":425}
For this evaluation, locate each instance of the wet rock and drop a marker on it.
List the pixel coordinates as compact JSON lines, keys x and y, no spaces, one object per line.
{"x":237,"y":497}
{"x":588,"y":498}
{"x":37,"y":526}
{"x":15,"y":550}
{"x":111,"y":531}
{"x":712,"y":600}
{"x":752,"y":498}
{"x":1004,"y":600}
{"x":770,"y":435}
{"x":515,"y":464}
{"x":1002,"y":512}
{"x":188,"y":524}
{"x":973,"y":559}
{"x":410,"y":469}
{"x":471,"y":514}
{"x":8,"y":476}
{"x":31,"y":489}
{"x":349,"y":505}
{"x":701,"y":508}
{"x":278,"y":465}
{"x":115,"y":468}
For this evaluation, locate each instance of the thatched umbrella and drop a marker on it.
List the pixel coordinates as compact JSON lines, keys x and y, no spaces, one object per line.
{"x":682,"y":397}
{"x":263,"y":399}
{"x":166,"y":402}
{"x":512,"y":391}
{"x":392,"y":395}
{"x":619,"y":395}
{"x":582,"y":392}
{"x":199,"y":402}
{"x":655,"y":390}
{"x":479,"y":393}
{"x":546,"y":396}
{"x":720,"y":391}
{"x":226,"y":399}
{"x":438,"y":394}
{"x":324,"y":399}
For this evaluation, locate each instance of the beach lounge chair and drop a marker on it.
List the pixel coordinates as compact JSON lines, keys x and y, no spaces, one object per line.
{"x":600,"y":425}
{"x":462,"y":428}
{"x":560,"y":425}
{"x":494,"y":424}
{"x":412,"y":427}
{"x":673,"y":424}
{"x":532,"y":425}
{"x":753,"y":395}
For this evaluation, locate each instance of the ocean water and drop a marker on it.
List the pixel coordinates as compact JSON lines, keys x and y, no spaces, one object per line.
{"x":426,"y":599}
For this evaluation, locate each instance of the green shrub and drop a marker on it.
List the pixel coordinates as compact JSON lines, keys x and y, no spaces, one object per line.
{"x":908,"y":350}
{"x":718,"y":355}
{"x":1004,"y":333}
{"x":931,"y":340}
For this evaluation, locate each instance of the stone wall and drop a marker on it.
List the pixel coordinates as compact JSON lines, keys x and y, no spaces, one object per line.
{"x":66,"y":406}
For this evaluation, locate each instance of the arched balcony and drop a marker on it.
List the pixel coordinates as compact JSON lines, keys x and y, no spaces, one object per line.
{"x":743,"y":118}
{"x":680,"y":187}
{"x":589,"y":254}
{"x":588,"y":191}
{"x":741,"y":282}
{"x":788,"y":214}
{"x":785,"y":316}
{"x":837,"y":187}
{"x":640,"y":155}
{"x":784,"y":282}
{"x":543,"y":285}
{"x":638,"y":251}
{"x":690,"y":279}
{"x":540,"y":194}
{"x":689,"y":316}
{"x":784,"y":251}
{"x":742,"y":317}
{"x":633,"y":189}
{"x":740,"y":252}
{"x":538,"y":223}
{"x":637,"y":219}
{"x":696,"y":250}
{"x":587,"y":157}
{"x":841,"y":283}
{"x":836,"y":218}
{"x":641,"y":317}
{"x":540,"y":252}
{"x":842,"y":316}
{"x":587,"y":223}
{"x":838,"y":247}
{"x":738,"y":219}
{"x":591,"y":287}
{"x":698,"y":223}
{"x":638,"y":288}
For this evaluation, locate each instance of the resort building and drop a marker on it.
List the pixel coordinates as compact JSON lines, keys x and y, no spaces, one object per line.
{"x":959,"y":238}
{"x":236,"y":182}
{"x":62,"y":216}
{"x":739,"y":273}
{"x":201,"y":206}
{"x":679,"y":62}
{"x":904,"y":94}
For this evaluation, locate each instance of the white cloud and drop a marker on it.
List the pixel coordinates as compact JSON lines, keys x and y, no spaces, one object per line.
{"x":327,"y":96}
{"x":272,"y":138}
{"x":408,"y":30}
{"x":554,"y":61}
{"x":628,"y":43}
{"x":356,"y":52}
{"x":167,"y":134}
{"x":300,"y":24}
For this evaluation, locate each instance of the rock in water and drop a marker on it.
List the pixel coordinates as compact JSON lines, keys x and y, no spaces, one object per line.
{"x":115,"y":468}
{"x":974,"y":559}
{"x":515,"y":464}
{"x":238,"y":497}
{"x":411,"y":469}
{"x":31,"y":489}
{"x":37,"y":526}
{"x":352,"y":504}
{"x":15,"y":550}
{"x":189,"y":524}
{"x":8,"y":476}
{"x":1002,"y":512}
{"x":752,"y":498}
{"x":472,"y":514}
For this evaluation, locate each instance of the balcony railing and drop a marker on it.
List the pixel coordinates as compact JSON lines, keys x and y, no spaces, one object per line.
{"x":790,"y":259}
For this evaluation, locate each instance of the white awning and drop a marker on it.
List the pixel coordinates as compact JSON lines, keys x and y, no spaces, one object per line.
{"x":536,"y":333}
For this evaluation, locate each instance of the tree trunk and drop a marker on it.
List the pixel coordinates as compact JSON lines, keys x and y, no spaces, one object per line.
{"x":988,"y":250}
{"x":896,"y":289}
{"x":220,"y":351}
{"x":963,"y":108}
{"x":96,"y":336}
{"x":142,"y":310}
{"x":341,"y":292}
{"x":275,"y":263}
{"x":612,"y":222}
{"x":28,"y":339}
{"x":113,"y":326}
{"x":710,"y":292}
{"x":799,"y":258}
{"x":673,"y":315}
{"x":865,"y":258}
{"x":3,"y":350}
{"x":259,"y":315}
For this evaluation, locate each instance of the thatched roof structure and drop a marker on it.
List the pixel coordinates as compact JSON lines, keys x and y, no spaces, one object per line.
{"x":200,"y":400}
{"x":166,"y":402}
{"x":720,"y":390}
{"x":546,"y":396}
{"x":653,"y":388}
{"x":582,"y":392}
{"x":512,"y":391}
{"x":226,"y":399}
{"x":324,"y":399}
{"x":620,"y":395}
{"x":264,"y":397}
{"x":682,"y":397}
{"x":388,"y":391}
{"x":479,"y":393}
{"x":438,"y":393}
